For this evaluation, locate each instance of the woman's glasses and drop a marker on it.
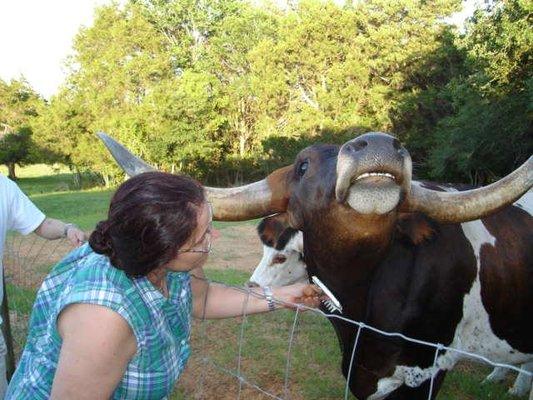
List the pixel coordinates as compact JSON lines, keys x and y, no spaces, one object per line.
{"x":204,"y":244}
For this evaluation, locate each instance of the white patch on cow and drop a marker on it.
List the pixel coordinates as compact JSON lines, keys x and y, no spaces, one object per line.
{"x":292,"y":270}
{"x":386,"y":386}
{"x":473,"y":333}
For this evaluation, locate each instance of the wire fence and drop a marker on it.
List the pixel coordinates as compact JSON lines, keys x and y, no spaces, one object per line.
{"x":27,"y":260}
{"x":431,"y":371}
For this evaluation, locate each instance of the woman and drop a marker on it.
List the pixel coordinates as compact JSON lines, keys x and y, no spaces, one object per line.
{"x":112,"y":319}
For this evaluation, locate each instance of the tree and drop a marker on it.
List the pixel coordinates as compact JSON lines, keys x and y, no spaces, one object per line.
{"x":330,"y":68}
{"x":18,"y":109}
{"x":489,"y":131}
{"x":203,"y":86}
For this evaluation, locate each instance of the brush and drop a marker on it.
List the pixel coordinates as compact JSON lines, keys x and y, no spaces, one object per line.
{"x":331,"y":303}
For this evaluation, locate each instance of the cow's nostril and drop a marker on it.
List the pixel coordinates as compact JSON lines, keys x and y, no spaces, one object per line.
{"x":251,"y":284}
{"x":396,"y":143}
{"x":359,"y":144}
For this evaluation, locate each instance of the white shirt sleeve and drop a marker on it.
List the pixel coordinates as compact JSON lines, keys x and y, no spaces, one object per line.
{"x":23,"y":216}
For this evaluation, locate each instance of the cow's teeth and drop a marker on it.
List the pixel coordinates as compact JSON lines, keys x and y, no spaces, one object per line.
{"x":367,"y":174}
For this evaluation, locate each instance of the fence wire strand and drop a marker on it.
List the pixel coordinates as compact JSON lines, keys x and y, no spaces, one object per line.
{"x":355,"y":343}
{"x":241,"y":341}
{"x":286,"y":392}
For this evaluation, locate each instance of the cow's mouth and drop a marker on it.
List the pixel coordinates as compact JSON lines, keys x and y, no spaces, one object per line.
{"x":370,"y":191}
{"x":373,"y":193}
{"x":375,"y":177}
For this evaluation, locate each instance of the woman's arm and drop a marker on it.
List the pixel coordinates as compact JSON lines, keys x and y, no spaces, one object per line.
{"x":52,"y":229}
{"x":97,"y":346}
{"x":216,"y":301}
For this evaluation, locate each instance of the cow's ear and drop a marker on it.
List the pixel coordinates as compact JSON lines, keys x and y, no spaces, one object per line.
{"x":416,"y":227}
{"x":295,"y":220}
{"x":294,"y":214}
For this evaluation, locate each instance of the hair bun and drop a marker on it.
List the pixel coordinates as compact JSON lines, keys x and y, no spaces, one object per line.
{"x":100,"y":240}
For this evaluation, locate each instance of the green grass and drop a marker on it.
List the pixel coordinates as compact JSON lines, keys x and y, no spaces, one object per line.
{"x":20,"y":299}
{"x":84,"y":208}
{"x":41,"y":178}
{"x":53,"y":191}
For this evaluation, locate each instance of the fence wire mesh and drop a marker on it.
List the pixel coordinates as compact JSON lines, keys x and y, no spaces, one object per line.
{"x":250,"y":357}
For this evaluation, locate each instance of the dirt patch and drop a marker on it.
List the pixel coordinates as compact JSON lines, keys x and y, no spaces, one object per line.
{"x":238,"y":248}
{"x":28,"y":259}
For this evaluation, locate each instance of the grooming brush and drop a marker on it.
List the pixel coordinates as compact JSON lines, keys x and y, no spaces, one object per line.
{"x":331,"y":303}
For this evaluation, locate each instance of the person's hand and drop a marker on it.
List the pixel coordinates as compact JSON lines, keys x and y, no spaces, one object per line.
{"x":76,"y":236}
{"x":300,"y":293}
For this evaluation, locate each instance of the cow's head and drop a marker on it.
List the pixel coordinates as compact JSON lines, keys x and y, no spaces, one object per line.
{"x":282,"y":262}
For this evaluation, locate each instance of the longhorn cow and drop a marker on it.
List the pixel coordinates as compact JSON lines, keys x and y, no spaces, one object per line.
{"x":282,"y":264}
{"x":402,"y":256}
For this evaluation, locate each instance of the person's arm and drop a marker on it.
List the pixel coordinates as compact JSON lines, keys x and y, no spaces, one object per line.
{"x":211,"y":300}
{"x":96,"y":349}
{"x":52,"y":229}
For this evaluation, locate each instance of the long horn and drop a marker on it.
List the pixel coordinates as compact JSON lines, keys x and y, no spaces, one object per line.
{"x":258,"y":199}
{"x":255,"y":200}
{"x":131,"y":164}
{"x":455,"y":207}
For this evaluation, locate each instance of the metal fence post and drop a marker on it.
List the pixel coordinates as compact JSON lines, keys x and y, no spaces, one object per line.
{"x":6,"y":331}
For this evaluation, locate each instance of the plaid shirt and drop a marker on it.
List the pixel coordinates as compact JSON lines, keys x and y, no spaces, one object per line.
{"x":161,"y":326}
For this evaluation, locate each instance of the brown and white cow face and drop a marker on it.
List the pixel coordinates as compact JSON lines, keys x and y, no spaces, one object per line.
{"x":282,"y":263}
{"x":346,"y":201}
{"x":352,"y":192}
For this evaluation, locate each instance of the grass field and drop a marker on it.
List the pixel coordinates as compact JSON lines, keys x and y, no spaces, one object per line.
{"x":315,"y":370}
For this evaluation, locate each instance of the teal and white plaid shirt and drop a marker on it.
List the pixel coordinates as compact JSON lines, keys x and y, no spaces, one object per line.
{"x":161,"y":326}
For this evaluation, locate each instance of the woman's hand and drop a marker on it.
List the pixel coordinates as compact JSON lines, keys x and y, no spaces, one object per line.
{"x":75,"y":235}
{"x":299,"y":293}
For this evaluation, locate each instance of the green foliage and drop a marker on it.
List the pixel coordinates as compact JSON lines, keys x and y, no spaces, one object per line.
{"x":15,"y":147}
{"x":227,"y":91}
{"x":489,"y":129}
{"x":18,"y":109}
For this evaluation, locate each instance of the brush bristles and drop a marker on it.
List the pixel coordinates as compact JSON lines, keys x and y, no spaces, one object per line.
{"x":330,"y":306}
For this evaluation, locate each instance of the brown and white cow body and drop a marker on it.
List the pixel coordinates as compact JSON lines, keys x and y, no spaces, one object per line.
{"x":400,"y":256}
{"x":492,"y":242}
{"x":282,"y":264}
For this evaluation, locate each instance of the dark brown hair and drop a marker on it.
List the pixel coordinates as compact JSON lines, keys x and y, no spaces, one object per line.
{"x":150,"y":217}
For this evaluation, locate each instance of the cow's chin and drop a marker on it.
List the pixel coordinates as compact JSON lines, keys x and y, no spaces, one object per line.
{"x":366,"y":198}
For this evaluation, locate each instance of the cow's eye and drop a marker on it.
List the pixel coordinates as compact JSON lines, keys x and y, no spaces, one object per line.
{"x":302,"y":168}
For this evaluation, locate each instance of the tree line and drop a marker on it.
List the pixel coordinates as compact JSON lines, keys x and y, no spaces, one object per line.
{"x":229,"y":90}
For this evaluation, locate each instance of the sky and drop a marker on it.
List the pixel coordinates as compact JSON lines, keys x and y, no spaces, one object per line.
{"x":36,"y":38}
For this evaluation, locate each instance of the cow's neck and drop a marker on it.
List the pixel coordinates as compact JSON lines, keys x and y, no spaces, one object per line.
{"x":345,"y":259}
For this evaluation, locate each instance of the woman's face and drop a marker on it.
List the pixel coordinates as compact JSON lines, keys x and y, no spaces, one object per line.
{"x":194,"y":252}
